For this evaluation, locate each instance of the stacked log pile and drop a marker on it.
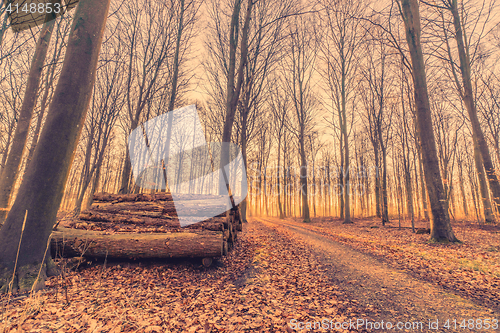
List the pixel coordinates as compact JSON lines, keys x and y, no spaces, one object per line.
{"x":145,"y":226}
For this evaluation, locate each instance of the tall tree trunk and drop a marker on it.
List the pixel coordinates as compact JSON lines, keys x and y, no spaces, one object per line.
{"x":4,"y":27}
{"x":378,"y":210}
{"x":233,"y":89}
{"x":489,"y":217}
{"x":175,"y":78}
{"x":468,"y":98}
{"x":49,"y":79}
{"x":11,"y":170}
{"x":329,"y":189}
{"x":97,"y":175}
{"x":85,"y":173}
{"x":462,"y":188}
{"x":341,"y":180}
{"x":367,"y":193}
{"x":127,"y":167}
{"x":25,"y":234}
{"x":409,"y":196}
{"x":346,"y":177}
{"x":244,"y":145}
{"x":385,"y":208}
{"x":440,"y":224}
{"x":345,"y":171}
{"x":7,"y":145}
{"x":313,"y":196}
{"x":423,"y":187}
{"x":280,"y":208}
{"x":286,"y":197}
{"x":303,"y":179}
{"x":474,"y":192}
{"x":406,"y":161}
{"x":417,"y":187}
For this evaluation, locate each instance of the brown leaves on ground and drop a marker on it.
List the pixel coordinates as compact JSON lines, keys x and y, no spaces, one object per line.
{"x":471,"y":268}
{"x":264,"y":283}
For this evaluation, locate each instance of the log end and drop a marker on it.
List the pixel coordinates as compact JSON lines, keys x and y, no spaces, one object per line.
{"x":207,"y":262}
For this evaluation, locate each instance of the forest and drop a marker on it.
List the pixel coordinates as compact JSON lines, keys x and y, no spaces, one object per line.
{"x":349,"y":115}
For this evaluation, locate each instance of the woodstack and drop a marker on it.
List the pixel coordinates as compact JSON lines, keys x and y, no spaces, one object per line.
{"x":145,"y":226}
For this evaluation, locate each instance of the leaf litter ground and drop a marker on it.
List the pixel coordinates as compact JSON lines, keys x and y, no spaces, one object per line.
{"x":267,"y":280}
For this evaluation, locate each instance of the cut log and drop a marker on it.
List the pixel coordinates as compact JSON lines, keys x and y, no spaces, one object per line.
{"x":160,"y":196}
{"x":98,"y":244}
{"x":107,"y":197}
{"x":116,"y":207}
{"x":161,"y":207}
{"x":147,"y":226}
{"x":131,"y":218}
{"x":207,"y":262}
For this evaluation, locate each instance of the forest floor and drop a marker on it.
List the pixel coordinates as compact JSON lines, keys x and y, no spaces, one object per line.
{"x":261,"y":286}
{"x":280,"y":276}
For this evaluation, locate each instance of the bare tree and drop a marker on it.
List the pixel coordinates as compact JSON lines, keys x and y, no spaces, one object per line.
{"x":11,"y":97}
{"x":460,"y":164}
{"x":150,"y":34}
{"x":378,"y":115}
{"x":405,"y":131}
{"x":440,"y":224}
{"x":488,"y":103}
{"x":106,"y":104}
{"x":298,"y":74}
{"x":448,"y":127}
{"x":52,"y":71}
{"x":25,"y":234}
{"x":279,"y":109}
{"x":463,"y":32}
{"x":341,"y":46}
{"x":235,"y":73}
{"x":12,"y":167}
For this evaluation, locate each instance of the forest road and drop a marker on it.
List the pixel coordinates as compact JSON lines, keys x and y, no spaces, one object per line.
{"x":394,"y":294}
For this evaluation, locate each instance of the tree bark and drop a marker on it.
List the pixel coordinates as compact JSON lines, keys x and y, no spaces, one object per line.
{"x":462,"y":188}
{"x":173,"y":94}
{"x":85,"y":174}
{"x":489,"y":217}
{"x":244,"y":142}
{"x":99,"y":244}
{"x":42,"y":189}
{"x":385,"y":208}
{"x":378,"y":210}
{"x":406,"y":160}
{"x":303,"y":180}
{"x":3,"y":28}
{"x":12,"y":167}
{"x":440,"y":224}
{"x":468,"y":98}
{"x":233,"y":89}
{"x":107,"y":197}
{"x":425,"y":205}
{"x":281,"y":215}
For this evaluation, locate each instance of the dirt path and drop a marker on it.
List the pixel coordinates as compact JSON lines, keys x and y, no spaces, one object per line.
{"x":392,"y":293}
